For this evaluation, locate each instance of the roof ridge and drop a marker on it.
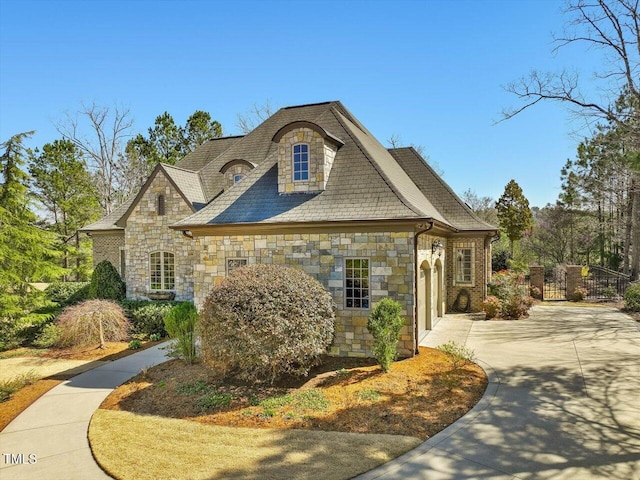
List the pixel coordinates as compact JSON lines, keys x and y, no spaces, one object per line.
{"x":310,"y":105}
{"x":164,"y":165}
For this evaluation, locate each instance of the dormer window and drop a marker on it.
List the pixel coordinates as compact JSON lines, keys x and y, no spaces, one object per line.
{"x":160,"y":205}
{"x":300,"y":162}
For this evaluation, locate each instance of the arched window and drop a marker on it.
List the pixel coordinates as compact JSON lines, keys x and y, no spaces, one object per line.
{"x":162,"y":271}
{"x":160,"y":205}
{"x":300,"y":162}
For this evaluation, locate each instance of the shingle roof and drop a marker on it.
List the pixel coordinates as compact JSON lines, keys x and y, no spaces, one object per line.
{"x":109,"y":222}
{"x":365,"y":183}
{"x":443,"y":198}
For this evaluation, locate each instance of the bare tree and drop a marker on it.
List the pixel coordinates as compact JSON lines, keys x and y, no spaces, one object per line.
{"x":613,"y":28}
{"x":103,"y":142}
{"x":254,"y":117}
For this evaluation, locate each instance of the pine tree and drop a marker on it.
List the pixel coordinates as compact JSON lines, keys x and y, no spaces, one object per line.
{"x":514,"y":214}
{"x":27,"y":252}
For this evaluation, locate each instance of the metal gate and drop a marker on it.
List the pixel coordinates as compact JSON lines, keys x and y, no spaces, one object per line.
{"x":555,"y":283}
{"x":604,"y":284}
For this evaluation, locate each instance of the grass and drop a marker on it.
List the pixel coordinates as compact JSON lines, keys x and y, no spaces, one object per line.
{"x":10,"y":387}
{"x":128,"y":445}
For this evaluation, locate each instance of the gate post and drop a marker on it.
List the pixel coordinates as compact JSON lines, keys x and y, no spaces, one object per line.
{"x":574,"y":279}
{"x":536,"y":279}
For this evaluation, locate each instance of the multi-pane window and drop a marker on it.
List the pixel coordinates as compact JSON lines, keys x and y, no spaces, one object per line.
{"x":301,"y":162}
{"x":464,"y":265}
{"x":357,"y":283}
{"x":162,"y":269}
{"x":233,"y":263}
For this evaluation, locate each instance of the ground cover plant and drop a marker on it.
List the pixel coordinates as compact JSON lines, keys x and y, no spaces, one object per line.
{"x":264,"y":321}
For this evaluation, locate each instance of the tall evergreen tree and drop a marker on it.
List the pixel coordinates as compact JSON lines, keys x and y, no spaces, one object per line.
{"x":63,"y":187}
{"x":27,"y":252}
{"x":514,"y":214}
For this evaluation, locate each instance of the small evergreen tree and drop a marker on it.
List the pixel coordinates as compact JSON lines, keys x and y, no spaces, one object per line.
{"x":385,"y":324}
{"x":106,"y":283}
{"x":180,"y":323}
{"x":514,"y":214}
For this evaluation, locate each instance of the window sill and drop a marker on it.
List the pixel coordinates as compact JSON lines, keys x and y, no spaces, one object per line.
{"x":161,"y":295}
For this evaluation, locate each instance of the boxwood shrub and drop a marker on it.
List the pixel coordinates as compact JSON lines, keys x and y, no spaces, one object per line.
{"x":264,"y":321}
{"x":147,"y":317}
{"x":632,"y":297}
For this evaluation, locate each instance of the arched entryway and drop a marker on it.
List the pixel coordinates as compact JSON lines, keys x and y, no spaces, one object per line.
{"x":438,"y":292}
{"x":425,"y":299}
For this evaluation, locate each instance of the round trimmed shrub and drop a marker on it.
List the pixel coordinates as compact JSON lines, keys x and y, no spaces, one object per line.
{"x":492,"y":307}
{"x":264,"y":321}
{"x":92,"y":321}
{"x":106,"y":283}
{"x":632,"y":297}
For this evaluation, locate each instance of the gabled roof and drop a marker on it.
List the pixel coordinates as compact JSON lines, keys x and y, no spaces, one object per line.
{"x":365,"y":183}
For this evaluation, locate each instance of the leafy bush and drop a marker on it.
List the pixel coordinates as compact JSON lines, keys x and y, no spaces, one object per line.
{"x":507,"y":287}
{"x":147,"y":317}
{"x":609,"y":293}
{"x":491,"y":307}
{"x":135,"y":344}
{"x":535,"y":292}
{"x":106,"y":283}
{"x":579,"y":294}
{"x":632,"y":297}
{"x":264,"y":321}
{"x":92,"y":321}
{"x":67,"y":293}
{"x":180,"y":323}
{"x":49,"y":336}
{"x":385,"y":324}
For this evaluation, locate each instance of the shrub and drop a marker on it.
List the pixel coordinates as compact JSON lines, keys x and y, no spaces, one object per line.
{"x":609,"y":293}
{"x":9,"y":387}
{"x":507,"y":287}
{"x":147,"y":317}
{"x":458,"y":355}
{"x":92,"y":321}
{"x":106,"y":283}
{"x":579,"y":294}
{"x":535,"y":292}
{"x":632,"y":297}
{"x":48,"y":337}
{"x":491,"y":307}
{"x":135,"y":344}
{"x":67,"y":293}
{"x":180,"y":323}
{"x":264,"y":321}
{"x":385,"y":324}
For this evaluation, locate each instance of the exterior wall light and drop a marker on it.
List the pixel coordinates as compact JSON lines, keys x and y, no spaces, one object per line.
{"x":437,"y":247}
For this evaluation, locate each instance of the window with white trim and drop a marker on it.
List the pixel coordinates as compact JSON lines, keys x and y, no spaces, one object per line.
{"x":463,"y":265}
{"x":162,"y":271}
{"x":300,"y":162}
{"x":356,"y":280}
{"x":233,"y":263}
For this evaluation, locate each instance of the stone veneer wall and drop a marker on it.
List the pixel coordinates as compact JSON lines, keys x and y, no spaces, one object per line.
{"x":148,"y":232}
{"x":321,"y":158}
{"x":106,"y":246}
{"x":477,"y":289}
{"x":322,"y":256}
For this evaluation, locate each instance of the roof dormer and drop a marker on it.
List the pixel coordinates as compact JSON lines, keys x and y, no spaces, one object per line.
{"x":305,"y":156}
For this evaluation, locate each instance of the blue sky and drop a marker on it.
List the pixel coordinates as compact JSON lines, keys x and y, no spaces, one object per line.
{"x":429,"y":71}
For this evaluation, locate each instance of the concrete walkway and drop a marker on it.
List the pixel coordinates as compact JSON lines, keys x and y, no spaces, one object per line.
{"x":49,"y":439}
{"x":563,"y":401}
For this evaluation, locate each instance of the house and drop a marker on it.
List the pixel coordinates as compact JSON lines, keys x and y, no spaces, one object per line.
{"x":311,"y":188}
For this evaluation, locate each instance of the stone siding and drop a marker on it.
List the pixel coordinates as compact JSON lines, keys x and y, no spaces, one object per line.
{"x":321,"y":156}
{"x":106,"y":246}
{"x":477,"y":287}
{"x":148,"y":232}
{"x":323,"y":256}
{"x":231,"y":172}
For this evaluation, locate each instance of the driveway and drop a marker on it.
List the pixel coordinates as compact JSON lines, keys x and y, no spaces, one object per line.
{"x":563,"y":401}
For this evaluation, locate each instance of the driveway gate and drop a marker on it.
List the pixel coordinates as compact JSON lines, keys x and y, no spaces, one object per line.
{"x":605,"y":284}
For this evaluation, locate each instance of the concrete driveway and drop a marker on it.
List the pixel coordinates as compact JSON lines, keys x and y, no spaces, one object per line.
{"x":563,"y":401}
